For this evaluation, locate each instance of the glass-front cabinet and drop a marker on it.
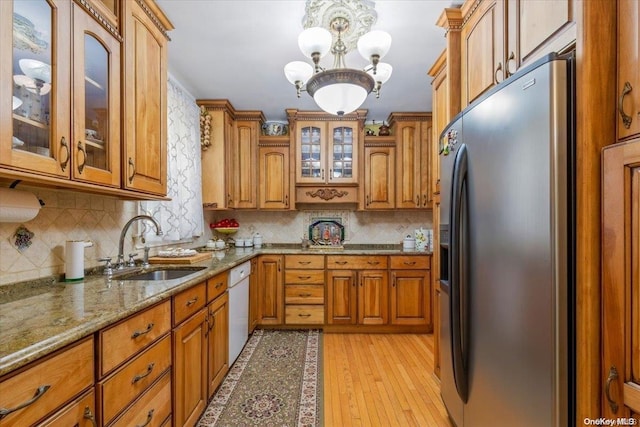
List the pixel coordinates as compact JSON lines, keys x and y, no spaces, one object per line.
{"x":327,"y":152}
{"x":59,"y":92}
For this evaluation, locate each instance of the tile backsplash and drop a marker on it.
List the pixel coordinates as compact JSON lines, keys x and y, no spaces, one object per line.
{"x":68,"y":215}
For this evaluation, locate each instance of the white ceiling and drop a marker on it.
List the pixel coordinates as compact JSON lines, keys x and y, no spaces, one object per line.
{"x":236,"y":50}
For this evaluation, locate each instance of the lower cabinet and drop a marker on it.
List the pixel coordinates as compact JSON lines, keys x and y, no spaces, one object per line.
{"x":357,"y":296}
{"x":410,"y":293}
{"x":254,"y":304}
{"x":40,"y":390}
{"x":218,"y":342}
{"x":270,"y":290}
{"x":81,"y":412}
{"x":152,"y":409}
{"x":304,"y":289}
{"x":190,"y":355}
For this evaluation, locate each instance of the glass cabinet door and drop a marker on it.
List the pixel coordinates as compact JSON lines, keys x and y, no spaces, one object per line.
{"x":342,"y":152}
{"x":311,"y":158}
{"x":35,"y":130}
{"x":96,"y":93}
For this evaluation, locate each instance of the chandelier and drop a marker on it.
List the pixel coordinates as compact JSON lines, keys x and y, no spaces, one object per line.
{"x":339,"y":90}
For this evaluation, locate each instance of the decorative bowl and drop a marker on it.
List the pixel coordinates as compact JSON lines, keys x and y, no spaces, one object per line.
{"x":226,"y":230}
{"x":275,"y":128}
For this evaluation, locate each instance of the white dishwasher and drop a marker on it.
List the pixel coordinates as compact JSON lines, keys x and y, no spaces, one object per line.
{"x":238,"y":309}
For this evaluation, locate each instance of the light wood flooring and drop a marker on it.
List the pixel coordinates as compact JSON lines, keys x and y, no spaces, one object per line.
{"x":381,"y":380}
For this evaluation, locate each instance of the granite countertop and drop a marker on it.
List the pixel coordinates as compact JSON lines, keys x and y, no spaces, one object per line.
{"x":39,"y":317}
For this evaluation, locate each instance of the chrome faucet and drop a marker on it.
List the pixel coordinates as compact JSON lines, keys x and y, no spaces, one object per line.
{"x":120,"y":262}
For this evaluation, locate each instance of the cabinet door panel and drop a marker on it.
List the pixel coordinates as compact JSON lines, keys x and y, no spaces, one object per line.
{"x":311,"y":141}
{"x":628,"y":68}
{"x":379,"y":177}
{"x":244,"y":158}
{"x":274,"y":177}
{"x":35,"y":74}
{"x":621,"y":280}
{"x":218,"y":359}
{"x":270,"y":289}
{"x":373,"y":299}
{"x":190,"y":369}
{"x":410,"y":297}
{"x":145,"y":103}
{"x":539,"y":21}
{"x":96,"y":95}
{"x":341,"y":297}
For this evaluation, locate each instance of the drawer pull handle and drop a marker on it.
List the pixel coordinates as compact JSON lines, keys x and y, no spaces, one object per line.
{"x":626,"y":119}
{"x":136,"y":334}
{"x":41,"y":390}
{"x":410,"y":263}
{"x":149,"y":417}
{"x":132,"y":168}
{"x":304,"y":315}
{"x":373,"y":262}
{"x":192,"y":301}
{"x":65,"y":162}
{"x":342,"y":262}
{"x":219,"y":284}
{"x":146,"y":374}
{"x":84,"y":158}
{"x":304,"y":277}
{"x":88,"y":415}
{"x":304,"y":262}
{"x":304,"y":295}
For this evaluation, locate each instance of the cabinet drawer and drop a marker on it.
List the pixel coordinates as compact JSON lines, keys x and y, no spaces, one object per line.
{"x":130,"y":381}
{"x":304,"y":314}
{"x":153,"y":407}
{"x":359,"y":262}
{"x":410,"y":262}
{"x":304,"y":261}
{"x":304,"y":276}
{"x":189,"y":302}
{"x":55,"y":380}
{"x":217,"y":285}
{"x":81,"y":412}
{"x":304,"y":294}
{"x":127,"y":338}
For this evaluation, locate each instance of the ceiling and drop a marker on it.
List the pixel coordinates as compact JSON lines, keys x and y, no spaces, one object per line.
{"x":236,"y":50}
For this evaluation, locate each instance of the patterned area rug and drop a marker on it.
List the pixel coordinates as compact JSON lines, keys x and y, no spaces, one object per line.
{"x":274,"y":382}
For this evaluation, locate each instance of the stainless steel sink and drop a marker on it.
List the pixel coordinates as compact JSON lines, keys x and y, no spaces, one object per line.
{"x":162,"y":274}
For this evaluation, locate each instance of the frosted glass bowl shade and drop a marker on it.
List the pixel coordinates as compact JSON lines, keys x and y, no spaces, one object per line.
{"x":340,"y":91}
{"x":315,"y":40}
{"x":374,"y":43}
{"x":298,"y":71}
{"x":383,"y":72}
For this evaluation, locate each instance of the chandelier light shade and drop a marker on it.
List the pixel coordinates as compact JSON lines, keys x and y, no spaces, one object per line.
{"x":339,"y":90}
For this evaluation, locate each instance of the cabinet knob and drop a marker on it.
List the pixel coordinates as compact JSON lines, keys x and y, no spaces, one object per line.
{"x":495,"y":74}
{"x":613,"y":375}
{"x":510,"y":60}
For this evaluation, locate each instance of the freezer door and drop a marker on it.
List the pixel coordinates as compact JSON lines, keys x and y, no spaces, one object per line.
{"x":517,"y":163}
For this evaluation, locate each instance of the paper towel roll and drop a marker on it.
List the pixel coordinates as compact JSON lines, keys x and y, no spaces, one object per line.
{"x":74,"y":259}
{"x":17,"y":205}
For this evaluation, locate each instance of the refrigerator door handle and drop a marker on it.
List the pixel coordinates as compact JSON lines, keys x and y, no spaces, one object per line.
{"x":458,"y":273}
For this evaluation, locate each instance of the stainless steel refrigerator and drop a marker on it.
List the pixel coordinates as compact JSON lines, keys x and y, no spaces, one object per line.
{"x":507,"y":253}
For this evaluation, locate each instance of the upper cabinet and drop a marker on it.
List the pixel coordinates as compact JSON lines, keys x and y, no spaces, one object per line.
{"x":628,"y":120}
{"x":55,"y":55}
{"x":145,"y":104}
{"x":274,"y":173}
{"x":500,"y":36}
{"x":413,"y":157}
{"x":230,"y":163}
{"x":61,"y":64}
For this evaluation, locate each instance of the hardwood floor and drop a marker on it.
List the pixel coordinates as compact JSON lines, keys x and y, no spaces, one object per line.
{"x":381,"y":380}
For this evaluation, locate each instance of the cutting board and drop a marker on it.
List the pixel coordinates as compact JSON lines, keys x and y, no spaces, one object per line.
{"x":181,"y":260}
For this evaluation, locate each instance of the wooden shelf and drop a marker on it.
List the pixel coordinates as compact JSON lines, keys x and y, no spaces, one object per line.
{"x":92,"y":143}
{"x":33,"y":123}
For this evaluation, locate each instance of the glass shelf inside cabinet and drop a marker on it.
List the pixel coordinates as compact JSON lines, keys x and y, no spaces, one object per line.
{"x":32,"y":76}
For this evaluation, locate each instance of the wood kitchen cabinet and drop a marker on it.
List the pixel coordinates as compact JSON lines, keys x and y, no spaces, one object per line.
{"x":628,"y":120}
{"x":217,"y":331}
{"x":77,"y":61}
{"x":47,"y":385}
{"x":190,"y":348}
{"x":621,"y":281}
{"x":270,"y":290}
{"x":411,"y":291}
{"x":274,"y":182}
{"x":379,"y":173}
{"x":254,"y":303}
{"x":304,"y":289}
{"x":357,"y":290}
{"x":413,"y":159}
{"x":243,"y":173}
{"x":500,"y":36}
{"x":81,"y":412}
{"x":145,"y":104}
